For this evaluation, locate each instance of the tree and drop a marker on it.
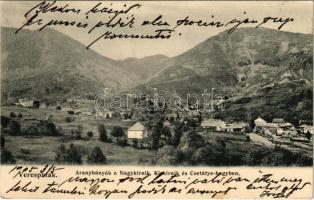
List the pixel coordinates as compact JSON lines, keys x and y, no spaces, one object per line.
{"x":7,"y":157}
{"x":19,"y":116}
{"x":203,"y":155}
{"x":102,"y":133}
{"x":4,"y":121}
{"x":2,"y":142}
{"x":73,"y":155}
{"x":12,"y":115}
{"x":165,"y":131}
{"x":44,"y":127}
{"x":70,"y":155}
{"x":14,"y":127}
{"x":168,"y":155}
{"x":78,"y":132}
{"x":177,"y":134}
{"x":90,"y":134}
{"x":61,"y":154}
{"x":47,"y":128}
{"x":117,"y":131}
{"x":96,"y":157}
{"x":154,"y":138}
{"x":51,"y":129}
{"x":191,"y":140}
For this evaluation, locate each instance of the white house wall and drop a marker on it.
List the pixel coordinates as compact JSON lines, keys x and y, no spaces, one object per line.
{"x":135,"y":134}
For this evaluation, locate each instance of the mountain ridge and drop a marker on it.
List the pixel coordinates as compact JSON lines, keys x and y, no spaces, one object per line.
{"x":247,"y":63}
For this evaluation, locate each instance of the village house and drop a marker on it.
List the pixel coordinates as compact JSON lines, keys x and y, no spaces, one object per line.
{"x":285,"y":127}
{"x":259,"y":122}
{"x":239,"y":127}
{"x":270,"y":127}
{"x":278,"y":127}
{"x":29,"y":103}
{"x":262,"y":126}
{"x":278,"y":121}
{"x":213,"y":125}
{"x":307,"y":129}
{"x":137,"y":131}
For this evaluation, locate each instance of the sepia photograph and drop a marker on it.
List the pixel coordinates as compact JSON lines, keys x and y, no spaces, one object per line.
{"x":157,"y":83}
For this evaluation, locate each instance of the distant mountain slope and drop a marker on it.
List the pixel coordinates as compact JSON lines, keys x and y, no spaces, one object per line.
{"x":243,"y":61}
{"x":145,"y":67}
{"x":51,"y":64}
{"x":263,"y":72}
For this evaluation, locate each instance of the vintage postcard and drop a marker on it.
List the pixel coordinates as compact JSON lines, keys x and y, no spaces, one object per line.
{"x":156,"y":99}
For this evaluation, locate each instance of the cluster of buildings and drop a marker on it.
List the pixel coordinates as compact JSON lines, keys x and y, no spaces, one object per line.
{"x":221,"y":126}
{"x":285,"y":130}
{"x":278,"y":128}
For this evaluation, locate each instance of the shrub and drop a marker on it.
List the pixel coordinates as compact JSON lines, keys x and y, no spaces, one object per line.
{"x":71,"y":112}
{"x":121,"y":141}
{"x":68,"y":119}
{"x":96,"y":156}
{"x":48,"y":128}
{"x":117,"y":131}
{"x":102,"y":133}
{"x":42,"y":128}
{"x":70,"y":155}
{"x":90,"y":134}
{"x":32,"y":129}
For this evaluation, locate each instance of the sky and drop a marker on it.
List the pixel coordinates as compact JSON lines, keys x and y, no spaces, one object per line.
{"x":12,"y":15}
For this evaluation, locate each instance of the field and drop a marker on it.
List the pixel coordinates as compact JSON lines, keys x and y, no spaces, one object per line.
{"x":41,"y":150}
{"x":89,"y":123}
